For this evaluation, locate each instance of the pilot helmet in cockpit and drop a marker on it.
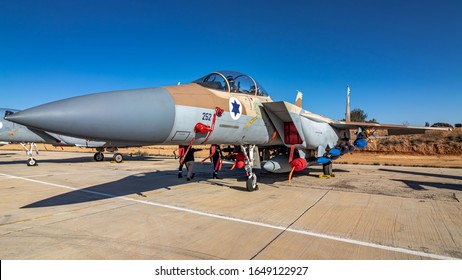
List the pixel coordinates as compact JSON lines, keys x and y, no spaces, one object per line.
{"x":232,"y":83}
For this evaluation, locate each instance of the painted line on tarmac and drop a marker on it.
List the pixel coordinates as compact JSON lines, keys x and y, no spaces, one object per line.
{"x":303,"y":232}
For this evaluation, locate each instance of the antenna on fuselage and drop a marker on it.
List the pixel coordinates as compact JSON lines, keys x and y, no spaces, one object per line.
{"x":347,"y":114}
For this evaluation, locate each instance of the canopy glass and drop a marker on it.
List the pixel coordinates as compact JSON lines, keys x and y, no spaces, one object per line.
{"x":231,"y":81}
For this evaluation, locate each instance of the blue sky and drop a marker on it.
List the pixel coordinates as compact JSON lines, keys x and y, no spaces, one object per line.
{"x":403,"y":59}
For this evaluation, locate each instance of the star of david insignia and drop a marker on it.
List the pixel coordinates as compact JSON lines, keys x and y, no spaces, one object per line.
{"x":236,"y":107}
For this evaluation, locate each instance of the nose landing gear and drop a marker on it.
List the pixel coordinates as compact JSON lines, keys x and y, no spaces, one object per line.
{"x":33,"y":147}
{"x":251,"y":182}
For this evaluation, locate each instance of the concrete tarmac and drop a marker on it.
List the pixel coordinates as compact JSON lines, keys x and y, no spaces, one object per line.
{"x":70,"y":207}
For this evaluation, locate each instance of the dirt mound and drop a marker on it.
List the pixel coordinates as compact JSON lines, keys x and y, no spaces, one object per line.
{"x":430,"y":143}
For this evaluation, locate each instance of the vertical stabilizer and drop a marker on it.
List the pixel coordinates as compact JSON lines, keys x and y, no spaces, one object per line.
{"x":347,"y":114}
{"x":298,"y":99}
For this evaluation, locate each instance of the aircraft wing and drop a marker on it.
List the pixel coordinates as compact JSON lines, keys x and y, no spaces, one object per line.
{"x":393,"y":129}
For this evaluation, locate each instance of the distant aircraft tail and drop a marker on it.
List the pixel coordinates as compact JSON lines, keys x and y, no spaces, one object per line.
{"x":298,"y":99}
{"x":347,"y":114}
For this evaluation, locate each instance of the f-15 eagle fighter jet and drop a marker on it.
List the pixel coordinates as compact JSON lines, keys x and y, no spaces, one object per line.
{"x":224,"y":107}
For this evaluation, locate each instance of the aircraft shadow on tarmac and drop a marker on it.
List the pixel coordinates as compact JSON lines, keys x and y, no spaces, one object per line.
{"x":421,"y":186}
{"x":134,"y":184}
{"x":82,"y":159}
{"x":6,"y":155}
{"x":423,"y":174}
{"x":144,"y":182}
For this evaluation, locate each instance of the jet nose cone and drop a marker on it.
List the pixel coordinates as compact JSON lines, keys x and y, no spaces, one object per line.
{"x":129,"y":116}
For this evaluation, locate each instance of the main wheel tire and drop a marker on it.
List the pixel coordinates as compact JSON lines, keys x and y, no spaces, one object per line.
{"x":327,"y":169}
{"x":118,"y":157}
{"x":251,"y":183}
{"x":31,"y":162}
{"x":99,"y":156}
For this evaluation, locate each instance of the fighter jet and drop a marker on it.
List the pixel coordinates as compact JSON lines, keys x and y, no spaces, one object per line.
{"x":11,"y":133}
{"x":223,"y":107}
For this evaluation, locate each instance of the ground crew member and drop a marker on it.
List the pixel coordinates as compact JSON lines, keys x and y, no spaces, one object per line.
{"x":188,"y":160}
{"x":181,"y":151}
{"x":216,"y":153}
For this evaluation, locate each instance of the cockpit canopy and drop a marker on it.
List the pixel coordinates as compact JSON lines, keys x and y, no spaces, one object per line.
{"x":231,"y":81}
{"x":7,"y":112}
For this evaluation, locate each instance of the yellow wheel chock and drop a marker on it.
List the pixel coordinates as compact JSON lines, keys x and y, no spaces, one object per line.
{"x":322,"y":176}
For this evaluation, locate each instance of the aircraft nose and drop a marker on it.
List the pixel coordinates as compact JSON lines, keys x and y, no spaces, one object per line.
{"x":129,"y":116}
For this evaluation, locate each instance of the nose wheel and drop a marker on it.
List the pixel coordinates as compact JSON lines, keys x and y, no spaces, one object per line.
{"x":251,"y":183}
{"x":31,"y":162}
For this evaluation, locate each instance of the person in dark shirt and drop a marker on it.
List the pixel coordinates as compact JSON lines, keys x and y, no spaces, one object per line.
{"x":216,"y":153}
{"x":188,"y":160}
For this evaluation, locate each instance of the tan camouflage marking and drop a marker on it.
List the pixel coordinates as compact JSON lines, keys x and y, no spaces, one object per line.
{"x":195,"y":95}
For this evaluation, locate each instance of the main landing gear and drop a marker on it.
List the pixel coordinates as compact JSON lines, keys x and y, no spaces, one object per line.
{"x":251,"y":182}
{"x":99,"y":156}
{"x":117,"y":157}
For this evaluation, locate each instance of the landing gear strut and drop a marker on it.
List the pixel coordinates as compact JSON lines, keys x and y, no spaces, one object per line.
{"x":251,"y":182}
